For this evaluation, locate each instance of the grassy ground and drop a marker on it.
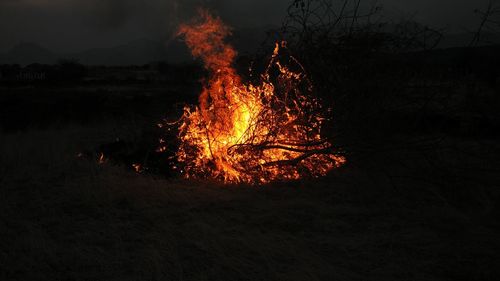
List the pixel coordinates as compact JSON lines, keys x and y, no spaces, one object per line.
{"x":407,"y":214}
{"x":405,"y":207}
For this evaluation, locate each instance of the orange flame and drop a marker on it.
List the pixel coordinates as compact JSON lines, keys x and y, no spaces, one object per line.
{"x":244,"y":132}
{"x":101,"y":159}
{"x":137,"y":167}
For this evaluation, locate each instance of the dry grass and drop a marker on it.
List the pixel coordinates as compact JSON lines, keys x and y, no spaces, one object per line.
{"x":389,"y":218}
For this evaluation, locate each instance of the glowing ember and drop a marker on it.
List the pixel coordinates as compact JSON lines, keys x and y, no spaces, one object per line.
{"x":247,"y":132}
{"x":138,"y":168}
{"x":101,"y":159}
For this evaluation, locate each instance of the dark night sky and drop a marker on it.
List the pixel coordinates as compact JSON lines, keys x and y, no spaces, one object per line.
{"x":75,"y":25}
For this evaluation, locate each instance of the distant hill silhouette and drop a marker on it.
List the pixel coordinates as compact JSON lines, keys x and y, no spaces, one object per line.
{"x":142,"y":51}
{"x":27,"y":53}
{"x":463,"y":39}
{"x":136,"y":52}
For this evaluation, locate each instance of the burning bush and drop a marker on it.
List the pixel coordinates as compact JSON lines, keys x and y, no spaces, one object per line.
{"x":252,"y":132}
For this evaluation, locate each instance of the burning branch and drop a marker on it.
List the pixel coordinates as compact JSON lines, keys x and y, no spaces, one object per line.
{"x":250,"y":132}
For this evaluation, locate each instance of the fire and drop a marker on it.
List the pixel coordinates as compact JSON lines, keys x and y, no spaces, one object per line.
{"x":250,"y":132}
{"x":137,"y":168}
{"x":101,"y":159}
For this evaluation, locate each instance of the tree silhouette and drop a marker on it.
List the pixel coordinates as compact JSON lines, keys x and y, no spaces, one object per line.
{"x":489,"y":21}
{"x":71,"y":70}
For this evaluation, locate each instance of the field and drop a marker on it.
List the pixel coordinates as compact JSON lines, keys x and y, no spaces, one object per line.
{"x":407,"y":206}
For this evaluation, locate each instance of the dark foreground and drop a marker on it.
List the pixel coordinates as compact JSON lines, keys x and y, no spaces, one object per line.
{"x":417,"y":207}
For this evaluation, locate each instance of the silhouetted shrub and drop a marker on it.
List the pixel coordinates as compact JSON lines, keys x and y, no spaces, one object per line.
{"x":71,"y":70}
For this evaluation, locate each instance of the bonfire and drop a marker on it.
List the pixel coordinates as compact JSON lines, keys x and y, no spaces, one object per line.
{"x":250,"y":132}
